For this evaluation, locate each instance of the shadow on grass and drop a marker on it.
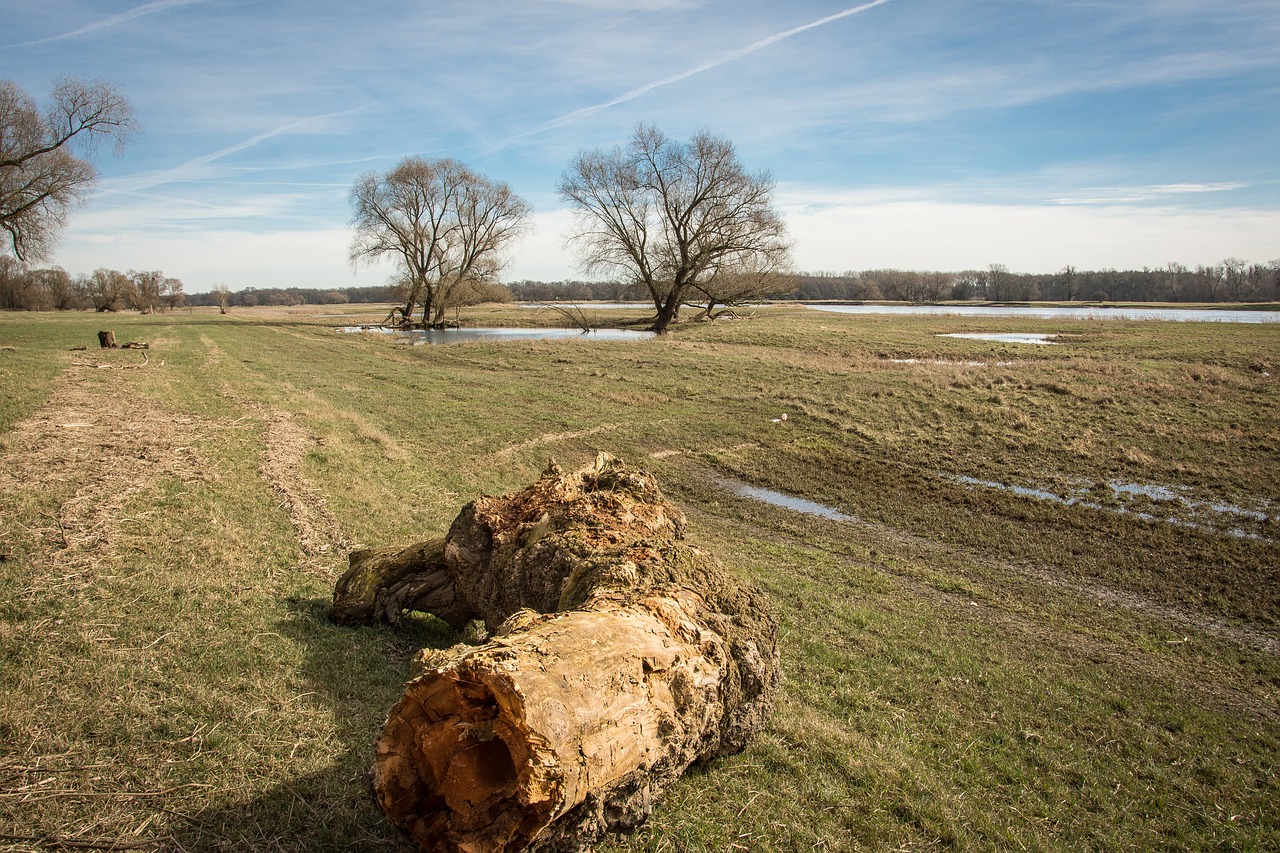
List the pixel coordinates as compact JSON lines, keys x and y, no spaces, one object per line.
{"x":356,"y":674}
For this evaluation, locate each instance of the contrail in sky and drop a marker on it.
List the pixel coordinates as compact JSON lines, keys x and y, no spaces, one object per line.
{"x":568,"y":118}
{"x":186,"y":171}
{"x":114,"y":20}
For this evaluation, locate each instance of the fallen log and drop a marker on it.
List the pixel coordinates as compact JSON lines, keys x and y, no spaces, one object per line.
{"x":383,"y":583}
{"x":620,"y":656}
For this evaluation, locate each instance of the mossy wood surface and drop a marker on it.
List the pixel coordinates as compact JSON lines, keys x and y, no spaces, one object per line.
{"x":621,"y":656}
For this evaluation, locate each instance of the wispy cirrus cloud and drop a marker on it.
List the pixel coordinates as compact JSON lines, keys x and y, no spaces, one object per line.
{"x":715,"y":62}
{"x":113,"y":21}
{"x":192,"y":168}
{"x":1137,"y":195}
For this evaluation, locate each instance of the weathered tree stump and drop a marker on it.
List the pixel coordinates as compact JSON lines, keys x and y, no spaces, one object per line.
{"x":107,"y":340}
{"x":621,"y":655}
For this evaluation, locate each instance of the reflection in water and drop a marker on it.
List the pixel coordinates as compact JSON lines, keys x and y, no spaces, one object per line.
{"x":769,"y":496}
{"x":1003,"y":337}
{"x":463,"y":336}
{"x":1161,"y":503}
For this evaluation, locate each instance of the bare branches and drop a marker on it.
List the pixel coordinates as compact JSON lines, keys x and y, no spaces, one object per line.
{"x":41,"y":179}
{"x":674,"y":217}
{"x":444,"y":225}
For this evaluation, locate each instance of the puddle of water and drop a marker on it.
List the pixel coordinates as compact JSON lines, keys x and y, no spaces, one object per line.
{"x":778,"y":499}
{"x":419,"y":337}
{"x":1003,"y":337}
{"x":944,"y":363}
{"x":1208,"y":516}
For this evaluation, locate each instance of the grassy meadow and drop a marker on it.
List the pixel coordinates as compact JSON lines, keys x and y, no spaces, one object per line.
{"x":1053,"y":622}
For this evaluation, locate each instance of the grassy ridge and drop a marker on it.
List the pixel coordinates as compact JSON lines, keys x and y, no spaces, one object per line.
{"x":965,"y":665}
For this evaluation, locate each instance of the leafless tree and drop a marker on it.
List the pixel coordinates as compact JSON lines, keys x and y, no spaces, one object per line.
{"x":41,"y":176}
{"x":109,"y":290}
{"x":223,"y":294}
{"x":54,"y":290}
{"x":148,"y":290}
{"x":173,"y":292}
{"x":12,"y":283}
{"x":764,"y":278}
{"x":445,"y":225}
{"x":999,"y":283}
{"x":670,"y":216}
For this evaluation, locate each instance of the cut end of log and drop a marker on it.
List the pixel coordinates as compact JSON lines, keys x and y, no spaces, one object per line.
{"x":472,"y":780}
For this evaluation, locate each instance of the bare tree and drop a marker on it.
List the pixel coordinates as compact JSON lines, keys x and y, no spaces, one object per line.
{"x":148,"y":290}
{"x":13,"y":279}
{"x":445,"y":225}
{"x":223,"y":294}
{"x":41,"y":176}
{"x":54,"y":290}
{"x":1070,"y":284}
{"x":1233,"y":274}
{"x":109,"y":290}
{"x":999,"y":283}
{"x":670,"y":216}
{"x":736,"y":288}
{"x":175,"y":296}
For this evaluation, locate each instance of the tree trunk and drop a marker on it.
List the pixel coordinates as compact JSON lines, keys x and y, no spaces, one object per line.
{"x":107,"y":340}
{"x":666,"y":314}
{"x":621,"y":655}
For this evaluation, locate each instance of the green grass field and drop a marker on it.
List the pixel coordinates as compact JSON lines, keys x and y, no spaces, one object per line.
{"x":967,"y":664}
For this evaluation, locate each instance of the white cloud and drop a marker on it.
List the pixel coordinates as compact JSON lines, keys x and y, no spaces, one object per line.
{"x":1133,"y":195}
{"x":315,"y":258}
{"x":928,"y":235}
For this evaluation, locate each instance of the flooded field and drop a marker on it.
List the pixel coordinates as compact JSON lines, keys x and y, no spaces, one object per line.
{"x":1051,"y":312}
{"x":418,"y":337}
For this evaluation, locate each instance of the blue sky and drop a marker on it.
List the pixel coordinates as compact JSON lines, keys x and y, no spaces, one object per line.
{"x":918,"y":134}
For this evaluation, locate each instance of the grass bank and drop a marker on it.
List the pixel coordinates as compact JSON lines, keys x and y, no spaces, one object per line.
{"x":1052,"y":623}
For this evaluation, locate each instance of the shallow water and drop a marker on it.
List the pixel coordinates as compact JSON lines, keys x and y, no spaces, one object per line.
{"x":778,"y":499}
{"x":1003,"y":337}
{"x":1175,"y":505}
{"x":1048,"y":312}
{"x":419,"y":337}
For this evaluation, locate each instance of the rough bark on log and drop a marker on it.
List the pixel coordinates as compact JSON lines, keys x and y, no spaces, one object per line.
{"x":382,"y":583}
{"x":621,"y":655}
{"x":107,"y":340}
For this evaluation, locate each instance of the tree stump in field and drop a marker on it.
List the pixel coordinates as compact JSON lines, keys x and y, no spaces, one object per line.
{"x":107,"y":340}
{"x":620,"y":655}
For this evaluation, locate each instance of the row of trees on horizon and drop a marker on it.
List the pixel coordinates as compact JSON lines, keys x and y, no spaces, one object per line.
{"x":668,"y":222}
{"x":53,"y":289}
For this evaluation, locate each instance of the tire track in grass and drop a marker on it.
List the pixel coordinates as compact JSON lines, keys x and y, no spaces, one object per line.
{"x":99,"y":444}
{"x":284,"y":448}
{"x":320,"y":535}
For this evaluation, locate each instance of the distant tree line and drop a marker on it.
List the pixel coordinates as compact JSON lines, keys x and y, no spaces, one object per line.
{"x":570,"y":290}
{"x":280,"y":296}
{"x":53,"y":289}
{"x":1233,"y":280}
